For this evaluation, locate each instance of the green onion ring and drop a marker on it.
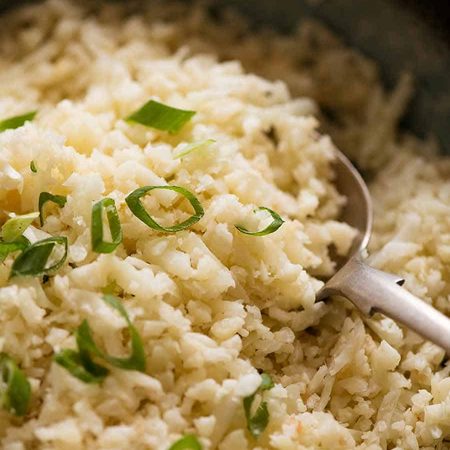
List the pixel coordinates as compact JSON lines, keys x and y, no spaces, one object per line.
{"x":98,"y":244}
{"x":89,"y":373}
{"x":271,"y":228}
{"x":81,"y":364}
{"x":45,"y":197}
{"x":134,"y":203}
{"x":15,"y":389}
{"x":87,"y":346}
{"x":258,"y":422}
{"x":6,"y":248}
{"x":14,"y":227}
{"x":33,"y":259}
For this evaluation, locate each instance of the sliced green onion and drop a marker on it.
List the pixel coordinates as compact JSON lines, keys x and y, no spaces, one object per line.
{"x":33,"y":167}
{"x":258,"y":422}
{"x":162,"y":117}
{"x":81,"y":364}
{"x":136,"y":361}
{"x":188,"y":442}
{"x":193,"y":147}
{"x":33,"y":260}
{"x":71,"y":360}
{"x":6,"y":248}
{"x":16,"y":121}
{"x":15,"y":389}
{"x":45,"y":197}
{"x":266,"y":382}
{"x":134,"y":203}
{"x":98,"y":244}
{"x":271,"y":228}
{"x":15,"y":226}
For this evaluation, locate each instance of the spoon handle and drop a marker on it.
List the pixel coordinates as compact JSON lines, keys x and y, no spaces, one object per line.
{"x":372,"y":290}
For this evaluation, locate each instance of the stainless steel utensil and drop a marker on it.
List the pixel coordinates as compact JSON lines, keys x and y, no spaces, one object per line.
{"x":372,"y":290}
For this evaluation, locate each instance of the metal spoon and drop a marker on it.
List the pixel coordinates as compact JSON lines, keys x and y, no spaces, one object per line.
{"x":372,"y":290}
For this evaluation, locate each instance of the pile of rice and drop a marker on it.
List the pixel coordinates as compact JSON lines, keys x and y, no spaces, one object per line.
{"x":213,"y":306}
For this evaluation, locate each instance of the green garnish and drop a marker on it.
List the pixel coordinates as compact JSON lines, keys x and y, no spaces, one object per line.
{"x":33,"y":260}
{"x":84,"y":370}
{"x":45,"y":197}
{"x":162,"y":117}
{"x":16,"y":121}
{"x":271,"y":228}
{"x":193,"y":147}
{"x":15,"y":226}
{"x":15,"y":389}
{"x":266,"y":382}
{"x":134,"y":203}
{"x":188,"y":442}
{"x":136,"y":361}
{"x":33,"y":167}
{"x":21,"y":243}
{"x":258,"y":422}
{"x":81,"y":364}
{"x":98,"y":244}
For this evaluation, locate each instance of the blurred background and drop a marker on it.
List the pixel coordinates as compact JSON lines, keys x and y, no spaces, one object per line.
{"x":401,"y":35}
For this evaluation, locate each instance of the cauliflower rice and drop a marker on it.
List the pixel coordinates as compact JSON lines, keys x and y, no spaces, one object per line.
{"x":215,"y":307}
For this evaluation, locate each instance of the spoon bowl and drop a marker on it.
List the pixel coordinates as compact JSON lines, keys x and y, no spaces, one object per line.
{"x":357,"y":211}
{"x":369,"y":289}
